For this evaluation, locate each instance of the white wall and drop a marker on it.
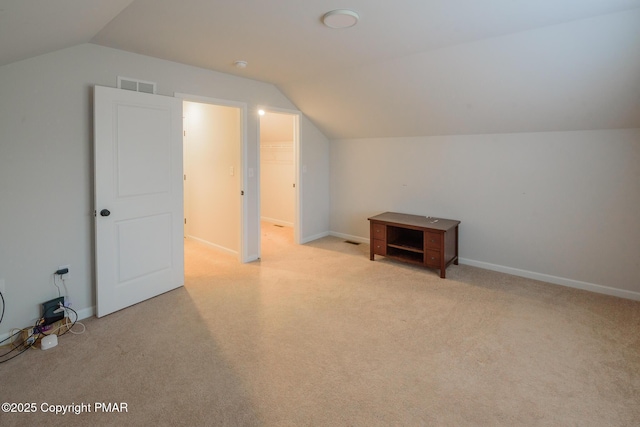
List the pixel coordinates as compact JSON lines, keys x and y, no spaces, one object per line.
{"x":46,"y":197}
{"x":314,"y":161}
{"x":212,"y":165}
{"x":560,"y":206}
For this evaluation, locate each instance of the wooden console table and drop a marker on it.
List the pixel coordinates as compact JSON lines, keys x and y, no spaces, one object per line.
{"x":430,"y":242}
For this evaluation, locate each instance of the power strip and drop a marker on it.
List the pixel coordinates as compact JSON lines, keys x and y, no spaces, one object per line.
{"x":28,"y":337}
{"x":31,"y":336}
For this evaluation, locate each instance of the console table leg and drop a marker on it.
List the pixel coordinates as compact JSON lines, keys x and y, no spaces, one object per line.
{"x":455,"y":262}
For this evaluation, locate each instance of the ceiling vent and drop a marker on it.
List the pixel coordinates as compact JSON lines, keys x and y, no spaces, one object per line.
{"x":136,"y":85}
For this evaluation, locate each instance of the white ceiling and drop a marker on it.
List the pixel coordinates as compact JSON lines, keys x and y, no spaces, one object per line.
{"x":410,"y":67}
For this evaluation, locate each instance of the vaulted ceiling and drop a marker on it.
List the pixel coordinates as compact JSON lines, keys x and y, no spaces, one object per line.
{"x":408,"y":68}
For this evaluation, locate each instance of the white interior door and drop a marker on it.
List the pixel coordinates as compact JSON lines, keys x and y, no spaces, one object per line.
{"x":138,"y":197}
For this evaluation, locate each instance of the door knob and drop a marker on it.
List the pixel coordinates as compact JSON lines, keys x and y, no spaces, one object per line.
{"x":105,"y":212}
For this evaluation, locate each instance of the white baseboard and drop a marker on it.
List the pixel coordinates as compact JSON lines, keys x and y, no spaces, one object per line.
{"x":86,"y":312}
{"x":563,"y":281}
{"x":314,"y":237}
{"x":350,"y":237}
{"x":276,"y":221}
{"x":82,"y":314}
{"x":251,"y":258}
{"x":213,"y":245}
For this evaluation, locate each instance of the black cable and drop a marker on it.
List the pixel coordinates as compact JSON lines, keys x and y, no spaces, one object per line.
{"x":2,"y":315}
{"x":14,"y":356}
{"x":24,"y":343}
{"x":40,"y":333}
{"x":11,"y":336}
{"x":26,"y":347}
{"x":17,"y":346}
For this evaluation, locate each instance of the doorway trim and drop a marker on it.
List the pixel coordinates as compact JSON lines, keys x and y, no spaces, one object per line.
{"x":296,"y":159}
{"x":244,"y":227}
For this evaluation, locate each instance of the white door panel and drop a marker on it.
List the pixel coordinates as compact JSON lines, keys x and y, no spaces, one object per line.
{"x":138,"y":179}
{"x":152,"y":150}
{"x":150,"y":235}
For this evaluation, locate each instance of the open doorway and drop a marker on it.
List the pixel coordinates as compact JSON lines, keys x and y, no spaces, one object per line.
{"x":212,"y":146}
{"x":278,"y":177}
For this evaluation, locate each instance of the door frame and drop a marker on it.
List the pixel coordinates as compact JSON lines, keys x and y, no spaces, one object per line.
{"x":244,"y":221}
{"x":296,"y":159}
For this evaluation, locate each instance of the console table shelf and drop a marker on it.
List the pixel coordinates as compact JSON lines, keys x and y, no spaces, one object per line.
{"x":406,"y":248}
{"x":430,"y":242}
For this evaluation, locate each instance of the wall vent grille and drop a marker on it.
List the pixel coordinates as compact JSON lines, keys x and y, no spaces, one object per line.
{"x":136,"y":85}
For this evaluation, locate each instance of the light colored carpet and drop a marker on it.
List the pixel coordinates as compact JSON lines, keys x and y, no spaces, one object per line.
{"x":318,"y":335}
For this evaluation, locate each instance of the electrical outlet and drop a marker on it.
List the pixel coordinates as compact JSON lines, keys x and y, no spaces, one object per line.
{"x":65,"y":276}
{"x":2,"y":287}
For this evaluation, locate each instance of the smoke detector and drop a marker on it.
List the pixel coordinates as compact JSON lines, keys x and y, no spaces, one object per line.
{"x":340,"y":18}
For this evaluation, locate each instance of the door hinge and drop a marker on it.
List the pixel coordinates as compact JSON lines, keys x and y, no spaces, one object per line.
{"x":294,"y":185}
{"x":184,"y":177}
{"x":185,"y":220}
{"x":242,"y":192}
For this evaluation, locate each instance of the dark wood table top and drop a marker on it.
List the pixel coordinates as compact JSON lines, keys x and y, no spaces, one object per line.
{"x":416,"y":220}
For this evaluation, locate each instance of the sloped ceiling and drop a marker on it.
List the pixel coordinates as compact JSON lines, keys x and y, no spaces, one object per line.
{"x":33,"y":27}
{"x":409,"y":68}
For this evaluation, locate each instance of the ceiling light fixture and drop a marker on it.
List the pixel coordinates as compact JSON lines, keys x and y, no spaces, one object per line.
{"x":240,"y":64}
{"x":340,"y":18}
